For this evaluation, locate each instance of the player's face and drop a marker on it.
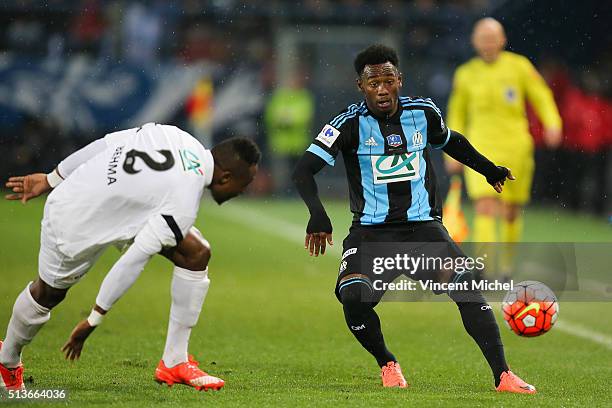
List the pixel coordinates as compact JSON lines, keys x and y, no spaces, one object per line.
{"x":380,"y":84}
{"x":232,"y":184}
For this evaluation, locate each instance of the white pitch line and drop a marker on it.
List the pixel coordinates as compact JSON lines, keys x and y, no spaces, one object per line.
{"x":294,"y":233}
{"x":582,"y":332}
{"x":284,"y":229}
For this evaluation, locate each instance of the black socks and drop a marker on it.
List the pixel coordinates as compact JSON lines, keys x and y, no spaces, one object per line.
{"x":364,"y":323}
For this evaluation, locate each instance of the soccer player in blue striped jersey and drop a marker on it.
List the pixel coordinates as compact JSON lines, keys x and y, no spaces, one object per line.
{"x":386,"y":143}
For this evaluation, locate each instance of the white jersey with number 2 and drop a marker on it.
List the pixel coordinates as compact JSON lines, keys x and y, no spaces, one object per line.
{"x":152,"y":174}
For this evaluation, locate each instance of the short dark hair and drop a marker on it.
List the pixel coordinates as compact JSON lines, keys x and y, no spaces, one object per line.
{"x":375,"y":54}
{"x":244,"y":148}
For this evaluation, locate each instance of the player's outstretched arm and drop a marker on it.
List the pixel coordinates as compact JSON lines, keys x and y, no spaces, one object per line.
{"x":118,"y":280}
{"x":73,"y":347}
{"x":33,"y":185}
{"x":27,"y":187}
{"x":460,"y":149}
{"x":319,"y":229}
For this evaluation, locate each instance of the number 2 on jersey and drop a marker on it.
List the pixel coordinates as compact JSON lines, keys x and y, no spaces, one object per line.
{"x":130,"y":160}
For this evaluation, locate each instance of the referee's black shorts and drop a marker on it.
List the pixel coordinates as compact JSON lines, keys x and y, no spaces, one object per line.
{"x":416,"y":239}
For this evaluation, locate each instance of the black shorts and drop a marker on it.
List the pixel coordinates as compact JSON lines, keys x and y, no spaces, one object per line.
{"x":366,"y":245}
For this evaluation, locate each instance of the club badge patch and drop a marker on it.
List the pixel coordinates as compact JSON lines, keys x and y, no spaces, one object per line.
{"x":417,"y":139}
{"x":328,"y":135}
{"x":394,"y":140}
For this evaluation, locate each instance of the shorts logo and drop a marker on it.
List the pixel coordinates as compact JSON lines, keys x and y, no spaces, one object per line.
{"x":417,"y":139}
{"x":349,"y":252}
{"x":358,"y":327}
{"x":394,"y":140}
{"x":328,"y":135}
{"x":343,"y":266}
{"x":395,"y":168}
{"x":191,"y":162}
{"x":486,"y":307}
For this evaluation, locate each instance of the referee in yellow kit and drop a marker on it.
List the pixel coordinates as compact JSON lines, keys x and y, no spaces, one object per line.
{"x":487,"y":104}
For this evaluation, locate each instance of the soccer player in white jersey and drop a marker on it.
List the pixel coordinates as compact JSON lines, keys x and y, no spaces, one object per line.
{"x":140,"y":188}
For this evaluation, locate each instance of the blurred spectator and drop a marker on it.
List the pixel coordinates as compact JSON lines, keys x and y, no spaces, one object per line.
{"x":288,"y":118}
{"x":88,"y":27}
{"x":576,"y":176}
{"x":142,"y":31}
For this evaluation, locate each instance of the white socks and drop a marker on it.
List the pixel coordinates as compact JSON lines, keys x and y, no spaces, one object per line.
{"x":189,"y":290}
{"x":28,"y":317}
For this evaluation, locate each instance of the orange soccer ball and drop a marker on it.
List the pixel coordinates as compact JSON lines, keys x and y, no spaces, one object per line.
{"x":530,"y":309}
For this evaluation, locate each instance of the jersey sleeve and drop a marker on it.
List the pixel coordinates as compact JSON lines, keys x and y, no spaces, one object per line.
{"x":334,"y":137}
{"x":72,"y":162}
{"x":540,"y":96}
{"x":456,"y":116}
{"x":437,"y":132}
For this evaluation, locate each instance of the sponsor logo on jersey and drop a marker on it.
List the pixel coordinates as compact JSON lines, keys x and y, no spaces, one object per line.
{"x":191,"y":162}
{"x":417,"y":139}
{"x":343,"y":266}
{"x":394,"y":140}
{"x":348,"y":252}
{"x":371,"y":142}
{"x":328,"y":135}
{"x":358,"y":327}
{"x":395,"y":168}
{"x":111,"y":170}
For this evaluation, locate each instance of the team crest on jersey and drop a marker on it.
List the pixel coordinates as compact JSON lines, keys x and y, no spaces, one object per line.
{"x":510,"y":94}
{"x":191,"y":162}
{"x":417,"y":139}
{"x":395,"y":168}
{"x":328,"y":135}
{"x":394,"y":140}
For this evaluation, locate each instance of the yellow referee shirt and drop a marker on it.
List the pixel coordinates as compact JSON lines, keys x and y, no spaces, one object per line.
{"x":487,"y":104}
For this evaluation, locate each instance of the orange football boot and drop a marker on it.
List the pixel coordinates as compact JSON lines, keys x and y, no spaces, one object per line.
{"x":189,"y":374}
{"x":510,"y":382}
{"x":392,"y":375}
{"x":11,"y":379}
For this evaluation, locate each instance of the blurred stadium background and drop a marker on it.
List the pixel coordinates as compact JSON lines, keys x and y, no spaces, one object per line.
{"x":71,"y":71}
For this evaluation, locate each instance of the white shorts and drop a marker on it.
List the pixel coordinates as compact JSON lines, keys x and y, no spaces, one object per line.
{"x":61,"y":271}
{"x":57,"y":269}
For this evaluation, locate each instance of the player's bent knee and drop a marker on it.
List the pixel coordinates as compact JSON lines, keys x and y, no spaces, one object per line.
{"x":355,"y":290}
{"x":196,"y":251}
{"x":201,"y":258}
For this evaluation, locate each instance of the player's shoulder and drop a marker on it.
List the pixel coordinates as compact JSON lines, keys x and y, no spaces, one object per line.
{"x":348,"y":114}
{"x":418,"y":102}
{"x":515,"y":59}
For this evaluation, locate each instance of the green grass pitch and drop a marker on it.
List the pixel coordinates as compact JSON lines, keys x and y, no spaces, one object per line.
{"x":272,"y":328}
